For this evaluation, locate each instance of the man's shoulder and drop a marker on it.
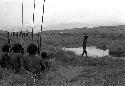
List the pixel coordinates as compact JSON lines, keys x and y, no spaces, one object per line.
{"x":25,"y":55}
{"x":15,"y":55}
{"x":4,"y":53}
{"x":31,"y":56}
{"x":38,"y":57}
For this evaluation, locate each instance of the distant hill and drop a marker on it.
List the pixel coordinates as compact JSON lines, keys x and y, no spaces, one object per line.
{"x":71,"y":29}
{"x":1,"y":31}
{"x":120,"y":29}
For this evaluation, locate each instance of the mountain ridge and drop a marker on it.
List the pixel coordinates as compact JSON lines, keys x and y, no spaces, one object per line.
{"x":100,"y":29}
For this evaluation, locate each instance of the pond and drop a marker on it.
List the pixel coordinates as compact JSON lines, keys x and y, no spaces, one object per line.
{"x":92,"y":51}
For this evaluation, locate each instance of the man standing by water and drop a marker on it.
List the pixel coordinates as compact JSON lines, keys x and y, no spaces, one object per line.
{"x":84,"y":46}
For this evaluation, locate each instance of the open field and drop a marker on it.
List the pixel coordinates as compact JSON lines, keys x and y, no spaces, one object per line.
{"x":87,"y":72}
{"x":114,"y":45}
{"x":69,"y":69}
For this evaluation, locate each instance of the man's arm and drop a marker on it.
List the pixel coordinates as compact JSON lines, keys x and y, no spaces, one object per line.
{"x":20,"y":60}
{"x":42,"y":63}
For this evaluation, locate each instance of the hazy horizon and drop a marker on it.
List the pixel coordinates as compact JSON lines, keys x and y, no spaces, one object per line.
{"x":87,"y":13}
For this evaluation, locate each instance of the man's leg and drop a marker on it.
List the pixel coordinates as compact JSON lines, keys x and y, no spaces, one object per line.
{"x":86,"y":52}
{"x":82,"y":54}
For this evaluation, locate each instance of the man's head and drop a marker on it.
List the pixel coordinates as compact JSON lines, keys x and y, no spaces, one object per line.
{"x":5,"y":48}
{"x":44,"y":55}
{"x":32,"y":49}
{"x":17,"y":48}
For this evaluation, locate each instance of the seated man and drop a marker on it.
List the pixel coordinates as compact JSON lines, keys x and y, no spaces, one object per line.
{"x":4,"y":56}
{"x":32,"y":62}
{"x":15,"y":57}
{"x":46,"y":60}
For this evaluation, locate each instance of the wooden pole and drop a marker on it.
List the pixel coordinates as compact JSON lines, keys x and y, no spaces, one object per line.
{"x":32,"y":33}
{"x":22,"y":21}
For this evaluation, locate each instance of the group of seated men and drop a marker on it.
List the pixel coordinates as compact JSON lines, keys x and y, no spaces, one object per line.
{"x":15,"y":59}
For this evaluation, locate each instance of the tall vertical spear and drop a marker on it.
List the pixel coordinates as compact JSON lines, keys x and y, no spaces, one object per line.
{"x":38,"y":43}
{"x":8,"y":38}
{"x":21,"y":40}
{"x":33,"y":19}
{"x":43,"y":8}
{"x":42,"y":16}
{"x":32,"y":33}
{"x":33,"y":26}
{"x":41,"y":24}
{"x":22,"y":19}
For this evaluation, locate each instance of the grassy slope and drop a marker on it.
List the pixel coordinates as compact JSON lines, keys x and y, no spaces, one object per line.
{"x":104,"y":37}
{"x":93,"y":71}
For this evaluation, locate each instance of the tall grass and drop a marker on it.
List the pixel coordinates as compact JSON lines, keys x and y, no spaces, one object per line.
{"x":116,"y":46}
{"x":98,"y":71}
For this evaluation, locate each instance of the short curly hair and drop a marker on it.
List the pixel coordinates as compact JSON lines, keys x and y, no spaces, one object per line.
{"x":17,"y":48}
{"x":32,"y":49}
{"x":5,"y":48}
{"x":44,"y":55}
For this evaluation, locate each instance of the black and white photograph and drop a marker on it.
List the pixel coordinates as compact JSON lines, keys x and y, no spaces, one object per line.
{"x":62,"y":42}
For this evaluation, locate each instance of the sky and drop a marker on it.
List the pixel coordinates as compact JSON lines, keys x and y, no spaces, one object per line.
{"x":88,"y":12}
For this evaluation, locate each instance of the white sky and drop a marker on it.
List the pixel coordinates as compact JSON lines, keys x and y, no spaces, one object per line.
{"x":95,"y":12}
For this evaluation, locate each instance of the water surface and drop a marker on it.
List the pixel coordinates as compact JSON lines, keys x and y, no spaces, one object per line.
{"x":91,"y":51}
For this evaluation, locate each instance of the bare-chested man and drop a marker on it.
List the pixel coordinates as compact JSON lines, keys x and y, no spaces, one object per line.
{"x":4,"y":56}
{"x":15,"y":57}
{"x":33,"y":62}
{"x":46,"y":60}
{"x":84,"y":45}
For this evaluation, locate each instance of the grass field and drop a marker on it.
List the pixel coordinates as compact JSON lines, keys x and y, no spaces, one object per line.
{"x":116,"y":45}
{"x":69,"y":69}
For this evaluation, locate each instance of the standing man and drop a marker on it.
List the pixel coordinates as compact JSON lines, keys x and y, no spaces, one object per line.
{"x":84,"y":45}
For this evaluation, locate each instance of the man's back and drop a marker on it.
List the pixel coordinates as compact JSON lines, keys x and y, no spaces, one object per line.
{"x":84,"y":42}
{"x":15,"y":59}
{"x":4,"y":59}
{"x":4,"y":56}
{"x":33,"y":63}
{"x":46,"y":60}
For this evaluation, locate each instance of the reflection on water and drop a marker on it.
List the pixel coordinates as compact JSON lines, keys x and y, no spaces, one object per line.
{"x":91,"y":51}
